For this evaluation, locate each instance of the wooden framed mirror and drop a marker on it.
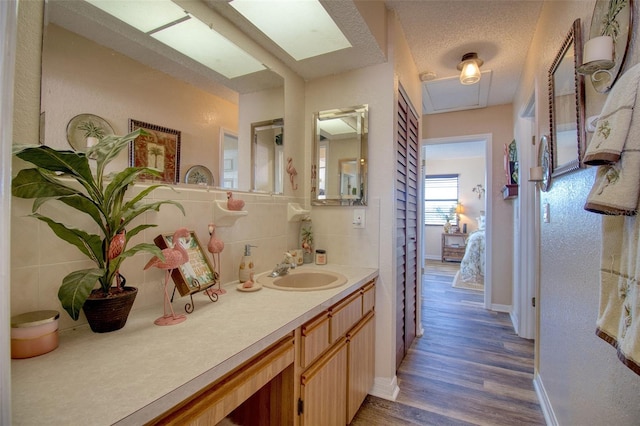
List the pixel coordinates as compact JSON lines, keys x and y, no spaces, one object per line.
{"x":566,"y":105}
{"x":339,"y":167}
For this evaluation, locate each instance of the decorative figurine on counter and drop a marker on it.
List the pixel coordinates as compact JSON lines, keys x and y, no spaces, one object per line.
{"x":173,"y":258}
{"x":215,"y":247}
{"x":292,"y":173}
{"x":232,"y":203}
{"x":115,"y":249}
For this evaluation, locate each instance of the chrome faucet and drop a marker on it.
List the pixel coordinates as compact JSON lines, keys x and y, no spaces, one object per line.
{"x":283,"y":267}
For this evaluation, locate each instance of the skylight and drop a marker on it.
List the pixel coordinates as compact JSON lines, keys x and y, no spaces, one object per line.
{"x":303,"y":28}
{"x":170,"y":24}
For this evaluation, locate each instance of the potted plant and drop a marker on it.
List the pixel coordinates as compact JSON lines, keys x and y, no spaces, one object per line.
{"x":65,"y":176}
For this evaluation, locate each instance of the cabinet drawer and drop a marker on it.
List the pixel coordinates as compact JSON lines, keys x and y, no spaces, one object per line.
{"x":315,"y":338}
{"x":368,"y":297}
{"x":345,"y":315}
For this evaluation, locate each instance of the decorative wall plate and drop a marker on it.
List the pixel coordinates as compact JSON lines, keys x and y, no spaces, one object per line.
{"x":77,"y":130}
{"x":199,"y":175}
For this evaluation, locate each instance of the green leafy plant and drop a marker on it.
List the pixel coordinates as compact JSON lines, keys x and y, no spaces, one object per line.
{"x":447,"y":216}
{"x":98,"y":196}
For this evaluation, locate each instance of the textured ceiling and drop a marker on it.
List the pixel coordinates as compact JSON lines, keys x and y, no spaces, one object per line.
{"x":500,"y":32}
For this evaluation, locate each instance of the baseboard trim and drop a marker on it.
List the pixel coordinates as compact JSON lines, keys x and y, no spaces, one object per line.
{"x":515,"y":322}
{"x":545,"y":404}
{"x":501,"y":308}
{"x":385,"y":388}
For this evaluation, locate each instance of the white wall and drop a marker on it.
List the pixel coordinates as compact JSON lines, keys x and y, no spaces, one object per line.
{"x":471,"y":172}
{"x":580,"y":378}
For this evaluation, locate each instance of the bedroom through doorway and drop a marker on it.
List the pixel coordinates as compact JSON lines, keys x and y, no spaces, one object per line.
{"x":455,"y":182}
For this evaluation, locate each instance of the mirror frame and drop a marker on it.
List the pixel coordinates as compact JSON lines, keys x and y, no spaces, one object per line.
{"x":573,"y":40}
{"x":362,"y":112}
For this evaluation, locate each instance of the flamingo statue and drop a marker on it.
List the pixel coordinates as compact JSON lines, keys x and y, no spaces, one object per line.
{"x":292,"y":173}
{"x":173,"y":258}
{"x":215,"y":247}
{"x":233,"y":203}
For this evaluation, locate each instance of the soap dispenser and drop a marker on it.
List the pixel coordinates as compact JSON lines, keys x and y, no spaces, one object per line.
{"x":246,"y":265}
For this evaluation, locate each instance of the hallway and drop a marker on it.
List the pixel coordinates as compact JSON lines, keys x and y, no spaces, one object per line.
{"x":469,"y":368}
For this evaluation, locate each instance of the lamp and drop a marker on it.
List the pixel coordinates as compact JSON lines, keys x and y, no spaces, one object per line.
{"x":470,"y":68}
{"x":459,"y":210}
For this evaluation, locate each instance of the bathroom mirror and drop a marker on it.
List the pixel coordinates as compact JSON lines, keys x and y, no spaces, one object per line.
{"x":267,"y":156}
{"x":93,"y":63}
{"x":339,"y":168}
{"x":566,"y":105}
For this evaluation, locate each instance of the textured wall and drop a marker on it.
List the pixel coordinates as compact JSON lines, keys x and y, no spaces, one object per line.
{"x":585,"y":383}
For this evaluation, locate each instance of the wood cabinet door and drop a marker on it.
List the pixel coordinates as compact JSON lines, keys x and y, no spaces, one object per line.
{"x":323,"y":390}
{"x":406,"y":225}
{"x":361,"y":363}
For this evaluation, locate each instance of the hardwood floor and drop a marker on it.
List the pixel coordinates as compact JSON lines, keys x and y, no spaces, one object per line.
{"x":469,"y":368}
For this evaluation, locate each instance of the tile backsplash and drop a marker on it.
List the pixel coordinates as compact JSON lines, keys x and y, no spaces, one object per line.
{"x":39,"y":259}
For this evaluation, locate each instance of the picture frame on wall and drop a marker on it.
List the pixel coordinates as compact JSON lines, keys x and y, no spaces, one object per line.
{"x":159,"y":149}
{"x":195,"y":275}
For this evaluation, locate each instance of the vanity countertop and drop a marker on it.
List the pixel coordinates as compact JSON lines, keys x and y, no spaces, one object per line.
{"x":130,"y":376}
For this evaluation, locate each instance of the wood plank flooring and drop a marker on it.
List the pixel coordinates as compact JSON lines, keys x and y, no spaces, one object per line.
{"x":469,"y":368}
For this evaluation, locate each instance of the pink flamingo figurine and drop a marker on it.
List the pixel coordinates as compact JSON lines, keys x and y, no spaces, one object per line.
{"x":232,"y":203}
{"x":215,"y":247}
{"x":115,"y":249}
{"x":292,"y":173}
{"x":173,"y":258}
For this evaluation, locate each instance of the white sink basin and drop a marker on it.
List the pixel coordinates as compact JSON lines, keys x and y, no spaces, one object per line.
{"x":304,"y":280}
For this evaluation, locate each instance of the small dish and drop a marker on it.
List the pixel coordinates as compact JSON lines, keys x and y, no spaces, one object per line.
{"x":256,"y":287}
{"x":76,"y":136}
{"x":199,"y":175}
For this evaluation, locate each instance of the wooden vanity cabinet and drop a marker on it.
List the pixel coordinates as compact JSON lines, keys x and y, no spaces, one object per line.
{"x":360,"y":363}
{"x":259,"y":392}
{"x":318,"y":375}
{"x":335,"y":385}
{"x":323,"y":389}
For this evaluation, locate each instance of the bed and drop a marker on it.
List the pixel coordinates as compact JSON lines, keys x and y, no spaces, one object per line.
{"x":472,"y":265}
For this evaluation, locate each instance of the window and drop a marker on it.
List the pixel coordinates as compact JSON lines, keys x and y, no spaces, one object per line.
{"x":440,"y":199}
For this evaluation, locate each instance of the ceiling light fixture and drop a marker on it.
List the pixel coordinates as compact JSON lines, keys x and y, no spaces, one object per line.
{"x":470,"y":68}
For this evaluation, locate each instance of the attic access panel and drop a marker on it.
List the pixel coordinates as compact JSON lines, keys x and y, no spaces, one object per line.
{"x":448,"y":94}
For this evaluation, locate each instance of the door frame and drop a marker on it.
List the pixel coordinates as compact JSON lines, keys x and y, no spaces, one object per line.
{"x":487,"y":138}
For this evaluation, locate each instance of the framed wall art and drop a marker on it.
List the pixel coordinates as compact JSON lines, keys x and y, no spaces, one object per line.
{"x":159,"y":149}
{"x":195,"y":275}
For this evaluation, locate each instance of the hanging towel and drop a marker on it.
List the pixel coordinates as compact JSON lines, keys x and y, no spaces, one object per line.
{"x":619,"y":313}
{"x":615,"y":147}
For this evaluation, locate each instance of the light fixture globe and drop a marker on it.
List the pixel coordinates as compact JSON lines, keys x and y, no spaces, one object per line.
{"x":470,"y":68}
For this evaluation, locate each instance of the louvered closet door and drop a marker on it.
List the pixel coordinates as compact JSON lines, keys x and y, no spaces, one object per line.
{"x":407,"y":225}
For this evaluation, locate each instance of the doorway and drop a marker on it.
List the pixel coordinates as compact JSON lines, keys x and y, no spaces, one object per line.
{"x":468,"y":158}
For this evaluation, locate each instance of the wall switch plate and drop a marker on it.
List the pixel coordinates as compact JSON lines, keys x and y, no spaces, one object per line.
{"x":545,"y":213}
{"x":358,"y":218}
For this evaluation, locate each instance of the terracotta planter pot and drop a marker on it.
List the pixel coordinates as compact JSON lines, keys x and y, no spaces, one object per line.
{"x":110,"y":313}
